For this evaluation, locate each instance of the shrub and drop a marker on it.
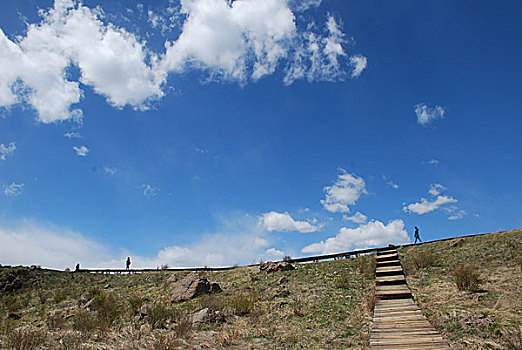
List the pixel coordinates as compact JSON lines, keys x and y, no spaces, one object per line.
{"x":467,"y":278}
{"x":158,"y":315}
{"x":25,"y":339}
{"x":12,"y":304}
{"x":344,"y":281}
{"x":59,"y":296}
{"x":213,"y":302}
{"x":287,"y":258}
{"x":135,"y":303}
{"x":422,"y":259}
{"x":107,"y":308}
{"x":243,"y":303}
{"x":85,"y":321}
{"x":183,"y":326}
{"x":164,"y":342}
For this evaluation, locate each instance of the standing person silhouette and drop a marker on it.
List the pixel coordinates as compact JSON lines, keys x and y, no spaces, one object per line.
{"x":128,"y":262}
{"x":417,"y":237}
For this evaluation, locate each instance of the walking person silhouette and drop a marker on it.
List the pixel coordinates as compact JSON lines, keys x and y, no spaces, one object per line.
{"x":128,"y":262}
{"x":417,"y":237}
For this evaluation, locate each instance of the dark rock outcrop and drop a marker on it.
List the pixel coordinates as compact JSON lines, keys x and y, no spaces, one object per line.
{"x":271,"y":266}
{"x":193,"y":286}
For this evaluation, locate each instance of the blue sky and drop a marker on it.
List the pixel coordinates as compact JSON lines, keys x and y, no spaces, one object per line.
{"x":213,"y":133}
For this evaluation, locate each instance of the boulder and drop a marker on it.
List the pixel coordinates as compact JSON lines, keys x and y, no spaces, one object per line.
{"x":271,"y":266}
{"x":205,"y":316}
{"x":193,"y":286}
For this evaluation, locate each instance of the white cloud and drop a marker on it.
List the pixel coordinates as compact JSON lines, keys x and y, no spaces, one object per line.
{"x":110,"y":59}
{"x":239,"y":239}
{"x":274,"y":253}
{"x":426,"y":206}
{"x":230,"y":41}
{"x":73,"y":135}
{"x":346,"y":191}
{"x":426,"y":114}
{"x":436,"y":189}
{"x":109,"y":171}
{"x":82,"y":151}
{"x":372,"y":234}
{"x":6,"y":150}
{"x":274,"y":221}
{"x":358,"y":218}
{"x":390,"y":183}
{"x":303,"y":5}
{"x":458,"y":215}
{"x":434,"y":162}
{"x":32,"y":244}
{"x":149,"y":191}
{"x":359,"y":64}
{"x":14,"y":189}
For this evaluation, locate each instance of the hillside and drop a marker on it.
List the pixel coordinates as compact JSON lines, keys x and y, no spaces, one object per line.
{"x":487,"y":313}
{"x":325,"y":305}
{"x":316,"y":306}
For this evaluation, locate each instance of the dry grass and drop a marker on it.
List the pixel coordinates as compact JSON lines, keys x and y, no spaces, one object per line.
{"x":469,"y":315}
{"x":309,"y":310}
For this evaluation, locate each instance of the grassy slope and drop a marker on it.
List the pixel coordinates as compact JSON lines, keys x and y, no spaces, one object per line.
{"x":327,"y":308}
{"x":486,"y":318}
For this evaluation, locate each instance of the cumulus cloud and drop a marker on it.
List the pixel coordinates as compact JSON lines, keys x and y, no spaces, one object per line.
{"x":274,"y":221}
{"x":274,"y":253}
{"x":230,"y":41}
{"x":434,"y":162}
{"x":33,"y":244}
{"x":110,"y":59}
{"x":346,"y":191}
{"x":426,"y":115}
{"x":238,"y":239}
{"x":358,"y":218}
{"x":14,"y":189}
{"x":457,"y":215}
{"x":82,"y":151}
{"x":359,"y":64}
{"x":6,"y":150}
{"x":436,"y":189}
{"x":426,"y":206}
{"x":372,"y":234}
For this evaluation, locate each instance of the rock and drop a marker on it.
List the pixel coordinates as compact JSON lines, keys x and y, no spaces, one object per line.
{"x":144,"y":310}
{"x":282,"y":293}
{"x":173,"y":278}
{"x":193,"y":286}
{"x":282,"y":280}
{"x":107,"y":286}
{"x":150,"y":278}
{"x":456,"y":243}
{"x":206,"y":316}
{"x":271,"y":266}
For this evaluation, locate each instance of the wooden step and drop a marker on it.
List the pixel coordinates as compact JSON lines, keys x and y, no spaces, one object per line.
{"x":388,"y":263}
{"x":386,"y":257}
{"x":389,"y":271}
{"x":395,"y":279}
{"x":392,"y":291}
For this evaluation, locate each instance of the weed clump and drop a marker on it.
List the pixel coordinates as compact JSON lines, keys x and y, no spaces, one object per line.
{"x":467,"y":278}
{"x":158,"y":315}
{"x":85,"y":321}
{"x":243,"y":303}
{"x":25,"y":339}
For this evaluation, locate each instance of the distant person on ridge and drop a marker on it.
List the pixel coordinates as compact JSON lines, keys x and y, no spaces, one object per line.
{"x":417,"y":237}
{"x":128,"y":262}
{"x":77,"y":267}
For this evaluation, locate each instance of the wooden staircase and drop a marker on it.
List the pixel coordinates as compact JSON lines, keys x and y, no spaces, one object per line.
{"x":398,"y":323}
